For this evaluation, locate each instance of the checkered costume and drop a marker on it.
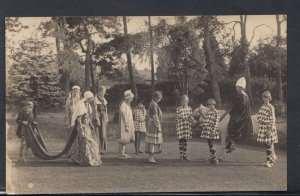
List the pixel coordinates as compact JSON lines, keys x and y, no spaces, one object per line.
{"x":210,"y":126}
{"x":140,"y":119}
{"x":266,"y":123}
{"x":183,"y":120}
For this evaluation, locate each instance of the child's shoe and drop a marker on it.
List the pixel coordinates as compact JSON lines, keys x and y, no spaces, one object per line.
{"x":274,"y":157}
{"x":215,"y":161}
{"x":125,"y":156}
{"x":231,"y":148}
{"x":222,"y":159}
{"x":269,"y":164}
{"x":152,"y":160}
{"x":186,"y":159}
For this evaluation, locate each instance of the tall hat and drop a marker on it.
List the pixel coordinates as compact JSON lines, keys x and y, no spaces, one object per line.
{"x":241,"y":82}
{"x":128,"y":94}
{"x":88,"y":94}
{"x":76,"y":88}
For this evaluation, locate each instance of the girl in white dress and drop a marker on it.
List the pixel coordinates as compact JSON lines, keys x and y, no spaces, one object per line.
{"x":126,"y":124}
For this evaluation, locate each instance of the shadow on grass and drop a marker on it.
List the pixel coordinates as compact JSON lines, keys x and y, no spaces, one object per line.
{"x":44,"y":163}
{"x":133,"y":162}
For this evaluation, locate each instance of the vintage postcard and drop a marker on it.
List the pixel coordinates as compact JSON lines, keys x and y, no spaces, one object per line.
{"x":115,"y":104}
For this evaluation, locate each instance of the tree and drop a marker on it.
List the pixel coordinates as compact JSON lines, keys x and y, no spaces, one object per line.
{"x":129,"y":63}
{"x":84,"y":32}
{"x":182,"y":59}
{"x":34,"y":74}
{"x":279,"y":68}
{"x":263,"y":63}
{"x":13,"y":25}
{"x":208,"y":27}
{"x":68,"y":60}
{"x":240,"y":54}
{"x":151,"y":56}
{"x":239,"y":64}
{"x":211,"y":61}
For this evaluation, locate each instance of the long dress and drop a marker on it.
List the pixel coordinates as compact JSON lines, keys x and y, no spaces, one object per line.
{"x":126,"y":137}
{"x":87,"y":152}
{"x":154,"y":137}
{"x":240,"y":123}
{"x":101,"y":105}
{"x":266,"y":122}
{"x":70,"y":108}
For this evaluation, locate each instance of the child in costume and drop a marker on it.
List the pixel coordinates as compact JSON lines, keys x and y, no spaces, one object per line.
{"x":25,"y":118}
{"x":184,"y":121}
{"x":210,"y":129}
{"x":267,"y":133}
{"x":139,"y":115}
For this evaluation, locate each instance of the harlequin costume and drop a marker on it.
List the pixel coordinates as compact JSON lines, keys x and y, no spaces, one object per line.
{"x":183,"y":121}
{"x":210,"y":129}
{"x":267,"y":133}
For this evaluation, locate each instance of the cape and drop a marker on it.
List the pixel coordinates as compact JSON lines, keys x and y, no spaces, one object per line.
{"x":35,"y":140}
{"x":240,"y":123}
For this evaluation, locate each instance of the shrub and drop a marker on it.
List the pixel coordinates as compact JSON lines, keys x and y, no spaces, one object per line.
{"x":280,"y":109}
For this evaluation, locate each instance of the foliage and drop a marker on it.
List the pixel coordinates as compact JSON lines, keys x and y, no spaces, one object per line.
{"x":181,"y":60}
{"x":259,"y":84}
{"x":115,"y":93}
{"x":263,"y":63}
{"x":34,"y":74}
{"x":12,"y":27}
{"x":280,"y":109}
{"x":124,"y":75}
{"x":73,"y":34}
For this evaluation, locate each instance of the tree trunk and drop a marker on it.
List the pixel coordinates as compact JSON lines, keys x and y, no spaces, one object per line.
{"x":186,"y":82}
{"x":67,"y":80}
{"x":61,"y":69}
{"x":212,"y":64}
{"x":94,"y":87}
{"x":151,"y":56}
{"x":244,"y":53}
{"x":279,"y":69}
{"x":88,"y":66}
{"x":129,"y":63}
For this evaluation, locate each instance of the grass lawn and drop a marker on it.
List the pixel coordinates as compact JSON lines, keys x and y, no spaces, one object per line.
{"x":243,"y":171}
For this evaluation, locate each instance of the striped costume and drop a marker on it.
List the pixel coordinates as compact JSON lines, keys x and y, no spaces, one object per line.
{"x":211,"y":125}
{"x":140,"y":119}
{"x":266,"y":122}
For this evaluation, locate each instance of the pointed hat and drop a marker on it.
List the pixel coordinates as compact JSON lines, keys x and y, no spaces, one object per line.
{"x":241,"y":82}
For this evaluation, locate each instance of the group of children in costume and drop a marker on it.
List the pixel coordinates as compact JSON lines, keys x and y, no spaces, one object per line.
{"x":267,"y":133}
{"x":184,"y":119}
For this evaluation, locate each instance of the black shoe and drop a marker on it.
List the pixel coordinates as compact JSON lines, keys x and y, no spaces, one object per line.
{"x":231,"y":148}
{"x":229,"y":144}
{"x":186,"y":159}
{"x":214,"y":161}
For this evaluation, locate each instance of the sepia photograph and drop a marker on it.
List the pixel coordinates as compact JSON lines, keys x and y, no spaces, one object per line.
{"x":139,"y":104}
